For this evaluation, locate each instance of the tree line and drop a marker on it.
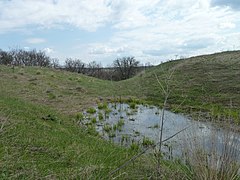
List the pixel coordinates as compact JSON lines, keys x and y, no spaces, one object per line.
{"x":121,"y":68}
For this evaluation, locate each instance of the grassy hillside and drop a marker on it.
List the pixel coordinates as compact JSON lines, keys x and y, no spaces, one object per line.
{"x":209,"y":84}
{"x":39,"y":134}
{"x":40,"y":137}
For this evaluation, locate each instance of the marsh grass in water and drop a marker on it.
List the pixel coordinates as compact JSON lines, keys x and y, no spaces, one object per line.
{"x":100,"y":116}
{"x":91,"y":110}
{"x":79,"y":117}
{"x":219,"y":160}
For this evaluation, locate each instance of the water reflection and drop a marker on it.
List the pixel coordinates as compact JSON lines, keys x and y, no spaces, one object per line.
{"x":144,"y":121}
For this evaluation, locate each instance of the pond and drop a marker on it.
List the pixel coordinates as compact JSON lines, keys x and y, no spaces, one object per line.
{"x":139,"y":124}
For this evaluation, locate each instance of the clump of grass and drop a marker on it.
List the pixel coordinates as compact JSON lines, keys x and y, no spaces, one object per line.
{"x":38,"y":72}
{"x":130,"y":113}
{"x":115,"y":127}
{"x":52,"y":96}
{"x":21,"y":72}
{"x":92,"y":130}
{"x":147,"y":141}
{"x":49,"y":117}
{"x":107,"y":127}
{"x":33,"y":79}
{"x":93,"y":120}
{"x":80,"y":89}
{"x":111,"y":134}
{"x":124,"y":138}
{"x":102,"y":106}
{"x":79,"y":79}
{"x":15,"y":77}
{"x":207,"y":161}
{"x":120,"y":123}
{"x":107,"y":111}
{"x":91,"y":110}
{"x":133,"y":105}
{"x":79,"y":116}
{"x":137,"y":133}
{"x":100,"y":116}
{"x":135,"y":147}
{"x":155,"y":126}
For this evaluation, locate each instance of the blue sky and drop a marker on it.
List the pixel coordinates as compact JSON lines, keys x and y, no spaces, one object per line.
{"x":103,"y":30}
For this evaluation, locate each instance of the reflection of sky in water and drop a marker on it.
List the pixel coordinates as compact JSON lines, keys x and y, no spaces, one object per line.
{"x":144,"y":118}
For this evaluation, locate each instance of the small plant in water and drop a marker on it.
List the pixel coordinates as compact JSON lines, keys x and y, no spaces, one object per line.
{"x":107,"y":111}
{"x":111,"y":134}
{"x":137,"y":133}
{"x":124,"y":138}
{"x":121,"y":122}
{"x":102,"y":106}
{"x":92,"y":130}
{"x":134,"y":147}
{"x":94,"y":120}
{"x":91,"y":110}
{"x":100,"y":116}
{"x":115,"y":127}
{"x":147,"y":142}
{"x":132,"y":105}
{"x":79,"y":116}
{"x":155,"y":126}
{"x":107,"y":127}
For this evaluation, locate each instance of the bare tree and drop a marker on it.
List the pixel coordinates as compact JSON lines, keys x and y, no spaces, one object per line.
{"x":94,"y":69}
{"x":5,"y":58}
{"x":75,"y":65}
{"x":55,"y":63}
{"x":20,"y":57}
{"x":126,"y":67}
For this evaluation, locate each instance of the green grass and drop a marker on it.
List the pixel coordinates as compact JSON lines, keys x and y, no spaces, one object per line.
{"x":32,"y":147}
{"x":91,"y":110}
{"x":39,"y":109}
{"x":197,"y":84}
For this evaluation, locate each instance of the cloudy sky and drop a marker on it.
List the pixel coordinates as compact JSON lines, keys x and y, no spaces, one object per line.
{"x":103,"y":30}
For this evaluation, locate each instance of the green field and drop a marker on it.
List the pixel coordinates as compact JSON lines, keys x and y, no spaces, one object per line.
{"x":41,"y":139}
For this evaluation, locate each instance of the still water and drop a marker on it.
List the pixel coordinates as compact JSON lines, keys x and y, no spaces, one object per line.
{"x":144,"y":121}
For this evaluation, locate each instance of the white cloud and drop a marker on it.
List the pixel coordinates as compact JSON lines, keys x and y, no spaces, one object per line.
{"x":35,"y":40}
{"x":227,"y":25}
{"x":146,"y":29}
{"x":48,"y":50}
{"x":88,"y":15}
{"x":26,"y":48}
{"x":101,"y":49}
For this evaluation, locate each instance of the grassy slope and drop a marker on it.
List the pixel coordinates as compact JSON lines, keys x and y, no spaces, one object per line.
{"x":209,"y":83}
{"x":33,"y":147}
